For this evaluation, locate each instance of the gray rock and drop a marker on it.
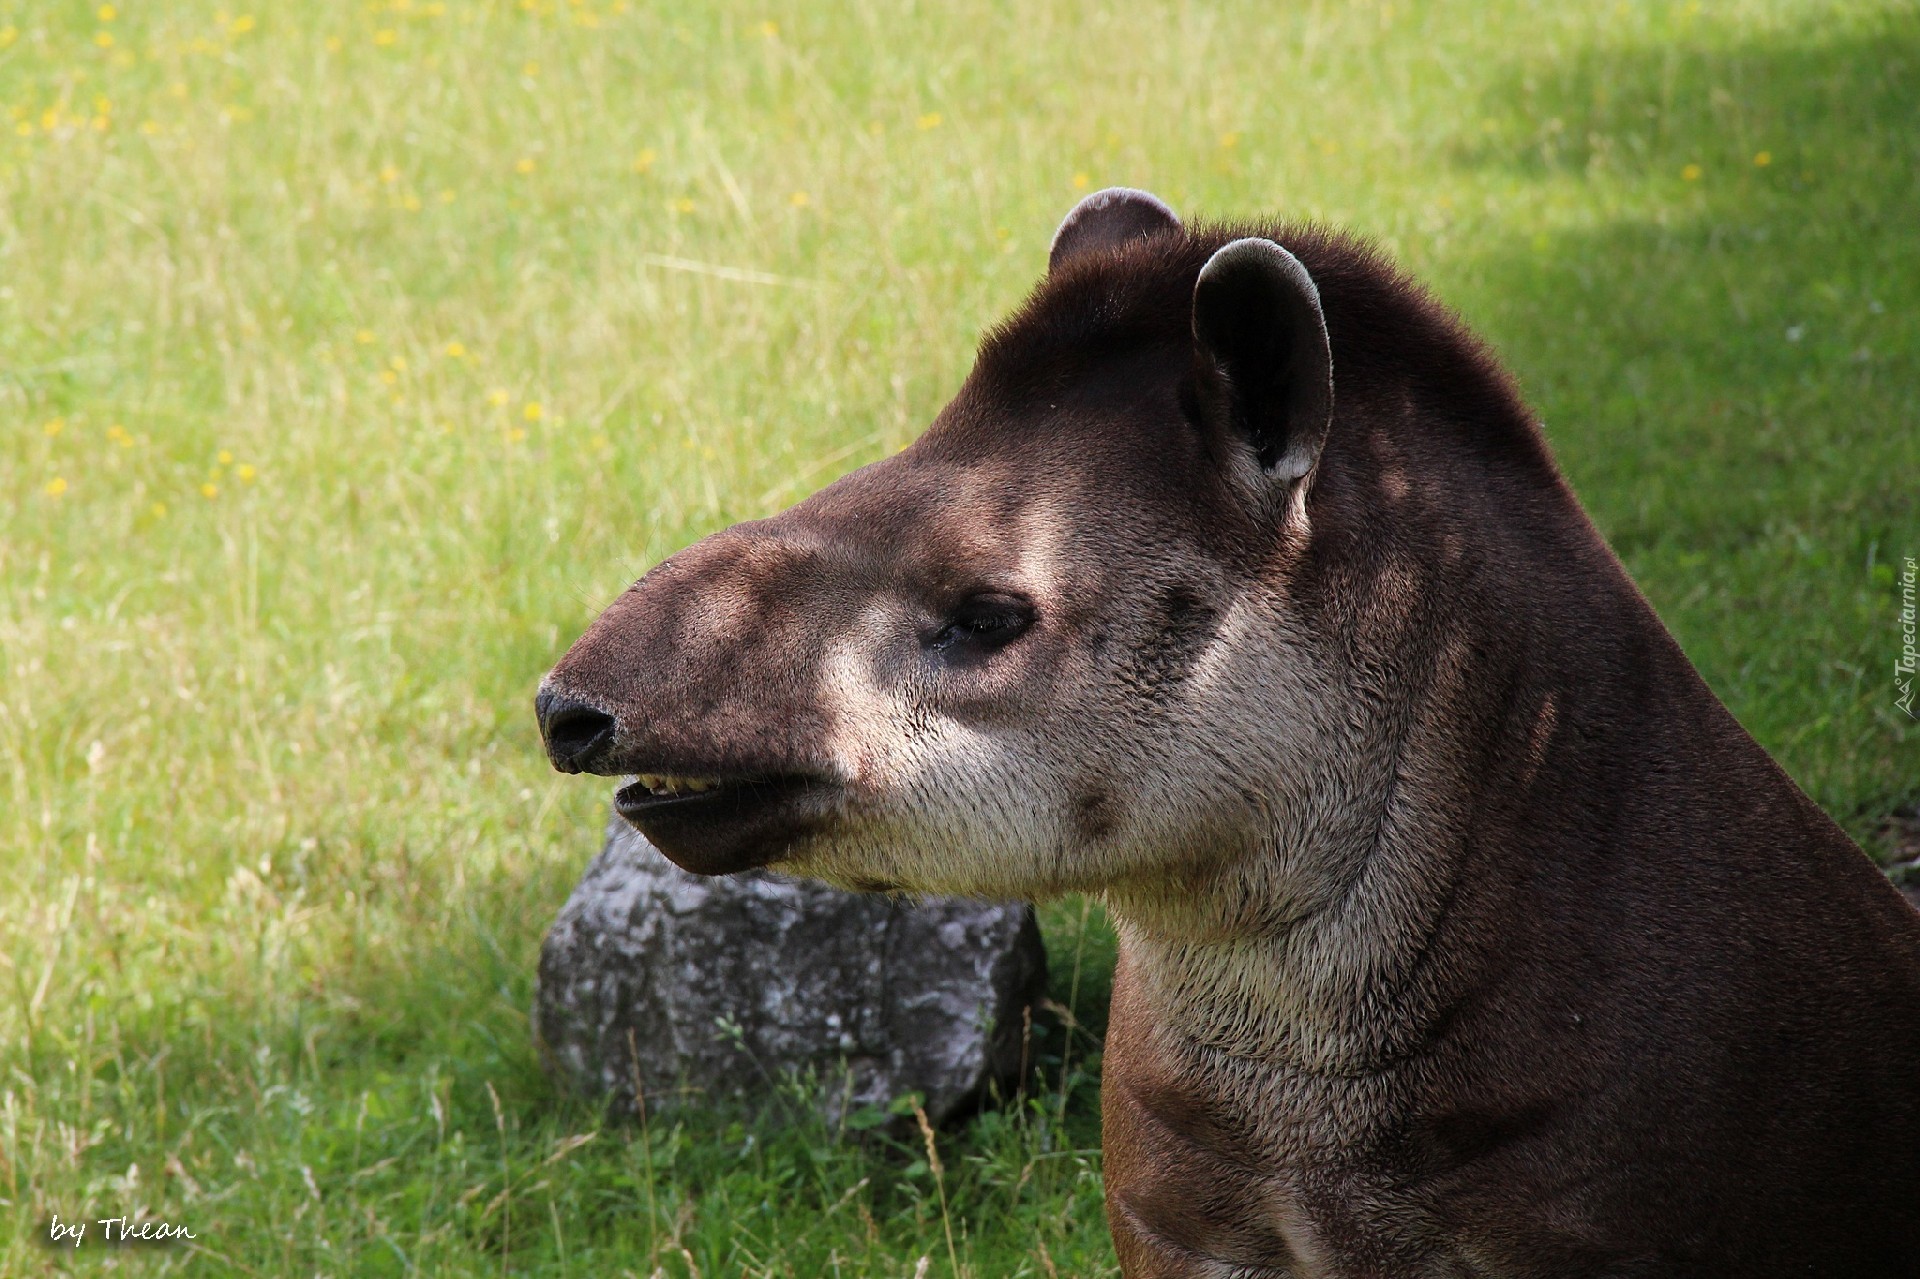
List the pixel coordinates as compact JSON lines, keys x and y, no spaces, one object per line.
{"x":717,"y":987}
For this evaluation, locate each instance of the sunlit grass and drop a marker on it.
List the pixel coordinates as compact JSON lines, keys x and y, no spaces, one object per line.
{"x":352,"y":356}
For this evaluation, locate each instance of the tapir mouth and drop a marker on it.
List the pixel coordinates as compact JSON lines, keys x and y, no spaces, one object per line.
{"x":668,"y":786}
{"x":714,"y":825}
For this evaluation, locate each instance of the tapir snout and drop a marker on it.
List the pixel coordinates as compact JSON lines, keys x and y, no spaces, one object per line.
{"x":728,"y":772}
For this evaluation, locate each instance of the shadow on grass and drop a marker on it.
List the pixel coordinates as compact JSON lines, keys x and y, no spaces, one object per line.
{"x":1721,"y":342}
{"x":390,"y":1116}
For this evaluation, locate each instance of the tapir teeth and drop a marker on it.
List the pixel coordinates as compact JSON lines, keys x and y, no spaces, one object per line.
{"x":667,"y":784}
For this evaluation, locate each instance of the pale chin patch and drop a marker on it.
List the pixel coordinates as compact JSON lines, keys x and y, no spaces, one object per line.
{"x":946,"y":816}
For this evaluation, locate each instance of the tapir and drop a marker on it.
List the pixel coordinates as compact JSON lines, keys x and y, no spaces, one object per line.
{"x":1463,"y":931}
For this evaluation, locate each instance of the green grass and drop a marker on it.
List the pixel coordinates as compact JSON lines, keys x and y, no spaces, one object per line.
{"x":287,"y":542}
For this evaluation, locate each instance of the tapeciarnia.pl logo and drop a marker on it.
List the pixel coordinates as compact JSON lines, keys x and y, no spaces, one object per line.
{"x":1905,"y":664}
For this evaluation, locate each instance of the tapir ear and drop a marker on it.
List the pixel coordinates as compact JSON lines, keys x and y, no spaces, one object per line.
{"x":1107,"y":219}
{"x":1257,"y":321}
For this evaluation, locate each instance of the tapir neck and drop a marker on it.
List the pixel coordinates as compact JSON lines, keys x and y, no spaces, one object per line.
{"x":1489,"y":709}
{"x":1337,"y":981}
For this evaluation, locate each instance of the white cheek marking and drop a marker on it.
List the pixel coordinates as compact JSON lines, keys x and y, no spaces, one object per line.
{"x":938,"y":806}
{"x":865,"y":717}
{"x":935,"y":805}
{"x":1230,"y":802}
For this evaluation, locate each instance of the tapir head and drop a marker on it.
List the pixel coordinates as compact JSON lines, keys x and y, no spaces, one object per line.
{"x":1048,"y":647}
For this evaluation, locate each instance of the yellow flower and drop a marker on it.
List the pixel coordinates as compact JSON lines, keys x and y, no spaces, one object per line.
{"x":56,"y":486}
{"x":334,"y":44}
{"x":385,"y":36}
{"x":1228,"y":141}
{"x":455,"y":350}
{"x":1691,"y":173}
{"x":246,"y":472}
{"x":1762,"y":159}
{"x":644,"y":161}
{"x":931,"y":120}
{"x":498,"y":397}
{"x":8,"y":35}
{"x":55,"y":426}
{"x":533,"y":412}
{"x":515,"y":434}
{"x":209,"y":490}
{"x":410,"y":202}
{"x":225,"y":458}
{"x":24,"y":129}
{"x":159,"y":510}
{"x":364,"y":337}
{"x":682,"y":205}
{"x":1329,"y":147}
{"x":525,"y":164}
{"x":398,"y":364}
{"x":104,"y":39}
{"x":389,"y":376}
{"x":799,"y":199}
{"x":149,"y":127}
{"x":530,"y":69}
{"x":446,"y":197}
{"x":388,"y":173}
{"x":108,"y":13}
{"x":769,"y":29}
{"x":1080,"y":181}
{"x":118,"y":434}
{"x":242,"y":24}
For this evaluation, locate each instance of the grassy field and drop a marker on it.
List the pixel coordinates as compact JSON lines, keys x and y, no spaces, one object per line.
{"x":353,"y":355}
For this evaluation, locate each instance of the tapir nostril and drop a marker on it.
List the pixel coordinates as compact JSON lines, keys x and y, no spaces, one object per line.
{"x":573,"y":731}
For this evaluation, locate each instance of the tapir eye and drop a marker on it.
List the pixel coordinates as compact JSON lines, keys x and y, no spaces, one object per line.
{"x":981,"y":624}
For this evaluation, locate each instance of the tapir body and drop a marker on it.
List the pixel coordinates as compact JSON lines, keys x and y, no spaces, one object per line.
{"x":1463,"y":930}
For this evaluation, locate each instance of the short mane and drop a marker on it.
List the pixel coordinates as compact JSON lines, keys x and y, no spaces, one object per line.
{"x":1385,"y":329}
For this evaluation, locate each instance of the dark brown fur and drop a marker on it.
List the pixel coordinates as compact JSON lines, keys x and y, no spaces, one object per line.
{"x":1635,"y":1005}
